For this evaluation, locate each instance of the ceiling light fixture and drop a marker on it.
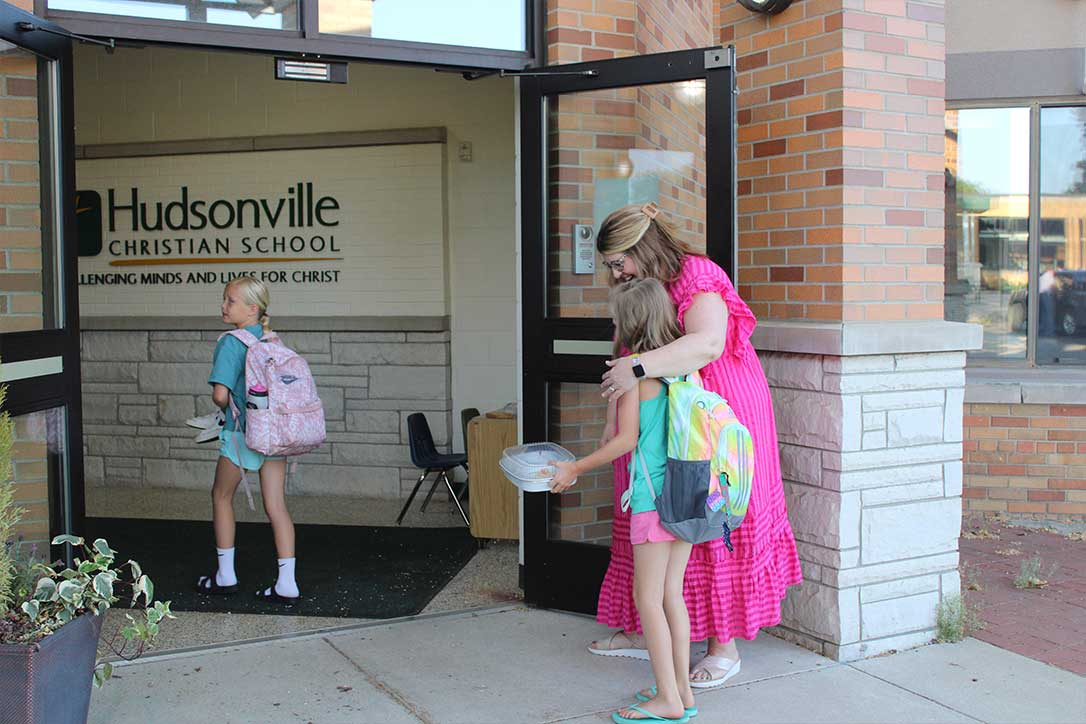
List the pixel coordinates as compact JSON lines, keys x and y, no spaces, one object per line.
{"x":768,"y":7}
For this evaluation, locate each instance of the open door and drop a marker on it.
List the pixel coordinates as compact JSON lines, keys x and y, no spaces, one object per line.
{"x":595,"y":137}
{"x":39,"y":312}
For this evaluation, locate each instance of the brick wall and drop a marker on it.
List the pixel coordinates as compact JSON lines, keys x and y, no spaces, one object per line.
{"x":577,"y":418}
{"x":35,"y":457}
{"x":1025,"y":461}
{"x":840,"y":158}
{"x":21,"y":282}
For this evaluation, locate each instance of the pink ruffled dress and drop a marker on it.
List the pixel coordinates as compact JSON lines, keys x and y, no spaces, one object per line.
{"x":728,"y":595}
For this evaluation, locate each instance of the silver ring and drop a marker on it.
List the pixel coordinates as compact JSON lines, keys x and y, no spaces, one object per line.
{"x":611,"y":388}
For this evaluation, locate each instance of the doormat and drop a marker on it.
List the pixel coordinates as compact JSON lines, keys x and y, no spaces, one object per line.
{"x":343,"y":571}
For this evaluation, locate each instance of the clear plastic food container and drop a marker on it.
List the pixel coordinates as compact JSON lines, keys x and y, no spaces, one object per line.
{"x":528,"y":466}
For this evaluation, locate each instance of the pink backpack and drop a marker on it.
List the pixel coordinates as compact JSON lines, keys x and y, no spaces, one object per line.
{"x":293,"y":422}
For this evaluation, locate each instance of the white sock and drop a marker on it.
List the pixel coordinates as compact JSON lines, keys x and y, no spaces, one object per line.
{"x":286,"y":585}
{"x":225,"y":576}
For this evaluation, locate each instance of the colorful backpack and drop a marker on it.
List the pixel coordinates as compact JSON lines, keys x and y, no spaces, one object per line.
{"x":710,"y":465}
{"x":293,"y":422}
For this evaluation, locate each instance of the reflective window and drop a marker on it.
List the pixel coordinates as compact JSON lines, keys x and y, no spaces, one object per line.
{"x":29,"y":269}
{"x":39,"y":465}
{"x":987,"y":225}
{"x":496,"y":24}
{"x":268,"y":14}
{"x":1061,"y":288}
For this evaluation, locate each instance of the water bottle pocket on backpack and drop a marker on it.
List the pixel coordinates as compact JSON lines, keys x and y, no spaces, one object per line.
{"x":682,"y":504}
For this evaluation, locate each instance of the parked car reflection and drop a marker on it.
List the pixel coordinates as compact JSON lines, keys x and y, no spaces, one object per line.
{"x":1068,"y":308}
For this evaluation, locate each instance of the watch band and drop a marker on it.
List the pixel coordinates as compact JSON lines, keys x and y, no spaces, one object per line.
{"x":638,"y":369}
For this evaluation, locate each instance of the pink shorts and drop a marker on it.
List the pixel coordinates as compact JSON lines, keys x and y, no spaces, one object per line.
{"x":646,"y":528}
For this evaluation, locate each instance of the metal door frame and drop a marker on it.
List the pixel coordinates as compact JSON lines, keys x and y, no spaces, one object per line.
{"x":61,"y":389}
{"x":562,"y":574}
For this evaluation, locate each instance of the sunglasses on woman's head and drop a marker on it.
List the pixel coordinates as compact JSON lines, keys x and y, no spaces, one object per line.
{"x":616,"y":265}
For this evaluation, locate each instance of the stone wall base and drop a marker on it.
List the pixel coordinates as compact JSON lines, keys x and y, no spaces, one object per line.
{"x":139,"y":387}
{"x":871,"y":451}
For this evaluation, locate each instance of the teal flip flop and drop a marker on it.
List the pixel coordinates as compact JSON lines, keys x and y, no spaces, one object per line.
{"x":691,"y":711}
{"x":649,"y":717}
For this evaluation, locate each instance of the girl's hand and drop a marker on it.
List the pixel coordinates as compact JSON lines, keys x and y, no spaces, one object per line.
{"x":619,"y":379}
{"x":565,"y":474}
{"x":609,"y":433}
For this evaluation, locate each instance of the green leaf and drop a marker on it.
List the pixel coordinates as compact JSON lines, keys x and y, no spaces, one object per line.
{"x":30,"y":608}
{"x":136,"y":570}
{"x":102,"y":547}
{"x":102,"y":673}
{"x":146,"y":587}
{"x":103,"y":585}
{"x":68,"y":590}
{"x":88,"y":567}
{"x":73,"y":539}
{"x":46,"y":590}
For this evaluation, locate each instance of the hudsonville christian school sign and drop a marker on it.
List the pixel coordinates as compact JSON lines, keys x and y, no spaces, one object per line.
{"x":343,"y":231}
{"x":296,"y":226}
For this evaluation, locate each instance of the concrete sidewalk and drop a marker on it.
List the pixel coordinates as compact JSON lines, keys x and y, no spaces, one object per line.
{"x":513,"y":664}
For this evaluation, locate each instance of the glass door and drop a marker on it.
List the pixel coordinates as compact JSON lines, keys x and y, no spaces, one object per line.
{"x":596,"y":137}
{"x":39,"y":325}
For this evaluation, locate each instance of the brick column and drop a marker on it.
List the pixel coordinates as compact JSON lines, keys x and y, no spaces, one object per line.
{"x":841,"y":153}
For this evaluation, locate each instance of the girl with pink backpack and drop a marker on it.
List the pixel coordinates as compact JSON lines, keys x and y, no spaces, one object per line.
{"x":245,"y":306}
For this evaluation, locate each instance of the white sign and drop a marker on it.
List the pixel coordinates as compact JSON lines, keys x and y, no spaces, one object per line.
{"x":335,"y":231}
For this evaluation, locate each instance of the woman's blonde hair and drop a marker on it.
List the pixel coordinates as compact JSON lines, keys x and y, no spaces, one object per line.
{"x":649,"y":239}
{"x":644,"y":316}
{"x":254,"y":291}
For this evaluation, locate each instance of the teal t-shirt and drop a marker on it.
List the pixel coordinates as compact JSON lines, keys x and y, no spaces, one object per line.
{"x":652,"y":441}
{"x":228,"y":369}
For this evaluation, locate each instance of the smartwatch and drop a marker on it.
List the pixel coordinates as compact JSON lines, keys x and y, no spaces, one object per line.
{"x":638,"y":370}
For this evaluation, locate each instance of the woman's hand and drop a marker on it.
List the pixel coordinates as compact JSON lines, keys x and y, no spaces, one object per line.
{"x":565,"y":474}
{"x":619,"y":379}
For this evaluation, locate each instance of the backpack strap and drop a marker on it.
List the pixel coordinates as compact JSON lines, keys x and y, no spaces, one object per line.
{"x":628,"y":495}
{"x":244,"y":336}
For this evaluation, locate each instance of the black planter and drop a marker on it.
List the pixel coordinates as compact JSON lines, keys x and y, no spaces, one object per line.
{"x":50,"y":682}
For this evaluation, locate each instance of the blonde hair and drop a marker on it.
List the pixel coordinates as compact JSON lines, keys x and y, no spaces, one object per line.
{"x":644,"y":316}
{"x":641,"y":233}
{"x":254,"y":291}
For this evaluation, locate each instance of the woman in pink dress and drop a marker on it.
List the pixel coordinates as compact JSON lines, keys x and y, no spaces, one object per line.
{"x":728,"y":594}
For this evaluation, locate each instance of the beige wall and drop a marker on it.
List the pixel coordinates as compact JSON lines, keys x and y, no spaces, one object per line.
{"x":160,"y":94}
{"x":977,"y":26}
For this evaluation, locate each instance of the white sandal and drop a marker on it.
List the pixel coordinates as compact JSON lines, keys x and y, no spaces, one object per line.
{"x":710,"y":662}
{"x":632,"y":653}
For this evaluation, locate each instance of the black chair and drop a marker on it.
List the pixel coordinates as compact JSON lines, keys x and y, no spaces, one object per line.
{"x":425,"y":456}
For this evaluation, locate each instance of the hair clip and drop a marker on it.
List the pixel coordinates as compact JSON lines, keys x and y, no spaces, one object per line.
{"x":650,"y":210}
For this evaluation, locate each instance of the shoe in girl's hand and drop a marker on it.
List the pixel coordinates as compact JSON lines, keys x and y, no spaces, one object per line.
{"x":565,"y":475}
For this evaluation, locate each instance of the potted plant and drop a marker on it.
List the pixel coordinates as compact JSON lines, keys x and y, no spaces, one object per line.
{"x":51,"y":616}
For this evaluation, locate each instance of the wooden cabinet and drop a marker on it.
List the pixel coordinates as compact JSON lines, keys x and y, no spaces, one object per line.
{"x":493,"y":500}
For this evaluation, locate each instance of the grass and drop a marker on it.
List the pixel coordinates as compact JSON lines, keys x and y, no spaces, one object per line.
{"x":954,"y":620}
{"x":1032,"y":574}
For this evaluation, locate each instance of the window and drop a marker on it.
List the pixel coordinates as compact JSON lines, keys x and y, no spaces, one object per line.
{"x":987,"y":225}
{"x":1061,"y":288}
{"x":267,"y":14}
{"x":1000,"y":261}
{"x":498,"y":24}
